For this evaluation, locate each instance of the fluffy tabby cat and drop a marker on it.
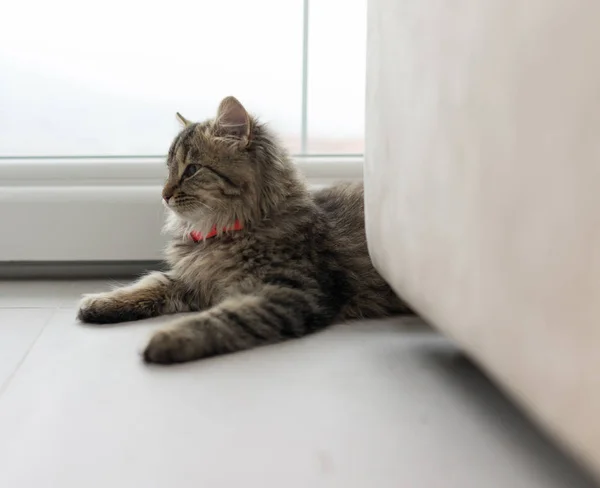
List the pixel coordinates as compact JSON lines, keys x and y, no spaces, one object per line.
{"x":254,"y":255}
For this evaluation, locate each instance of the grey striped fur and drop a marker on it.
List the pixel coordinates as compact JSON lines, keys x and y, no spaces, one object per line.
{"x":299,"y":264}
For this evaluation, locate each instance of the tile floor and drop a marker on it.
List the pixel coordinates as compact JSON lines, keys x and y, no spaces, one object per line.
{"x":378,"y":405}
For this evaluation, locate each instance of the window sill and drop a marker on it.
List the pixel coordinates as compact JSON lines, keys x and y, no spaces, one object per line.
{"x":104,"y":209}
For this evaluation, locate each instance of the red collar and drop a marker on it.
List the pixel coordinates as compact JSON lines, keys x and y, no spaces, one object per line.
{"x":198,"y":236}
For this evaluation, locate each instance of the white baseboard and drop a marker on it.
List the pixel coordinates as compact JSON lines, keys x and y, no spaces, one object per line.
{"x":101,"y":209}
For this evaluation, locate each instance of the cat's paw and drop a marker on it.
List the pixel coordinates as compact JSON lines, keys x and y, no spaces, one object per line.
{"x":98,"y":308}
{"x":176,"y":345}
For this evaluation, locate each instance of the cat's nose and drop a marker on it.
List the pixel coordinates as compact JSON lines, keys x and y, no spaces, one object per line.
{"x":167,"y":193}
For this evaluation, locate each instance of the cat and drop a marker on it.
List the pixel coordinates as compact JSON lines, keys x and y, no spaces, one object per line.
{"x":255,"y":255}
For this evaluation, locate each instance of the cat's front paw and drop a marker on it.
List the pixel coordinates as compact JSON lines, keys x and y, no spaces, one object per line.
{"x":176,"y":345}
{"x":98,"y":308}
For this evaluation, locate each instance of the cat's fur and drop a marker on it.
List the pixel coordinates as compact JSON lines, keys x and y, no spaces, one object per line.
{"x":299,"y":264}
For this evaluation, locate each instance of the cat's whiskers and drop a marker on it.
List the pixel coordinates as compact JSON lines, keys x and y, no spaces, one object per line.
{"x":204,"y":204}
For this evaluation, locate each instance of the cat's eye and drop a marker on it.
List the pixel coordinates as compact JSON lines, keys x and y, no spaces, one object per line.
{"x":190,"y":170}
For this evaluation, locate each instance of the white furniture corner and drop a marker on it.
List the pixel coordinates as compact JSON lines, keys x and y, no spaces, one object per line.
{"x":483,"y":190}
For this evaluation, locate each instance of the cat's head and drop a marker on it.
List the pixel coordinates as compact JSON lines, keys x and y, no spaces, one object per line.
{"x":225,"y":169}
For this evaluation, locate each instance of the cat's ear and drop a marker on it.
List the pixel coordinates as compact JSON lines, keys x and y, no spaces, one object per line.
{"x":233,"y":120}
{"x":185,"y":122}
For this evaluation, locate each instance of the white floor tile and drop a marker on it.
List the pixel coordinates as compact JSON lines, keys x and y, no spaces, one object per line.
{"x":363,"y":405}
{"x":73,"y":293}
{"x":47,"y":294}
{"x":18,"y":331}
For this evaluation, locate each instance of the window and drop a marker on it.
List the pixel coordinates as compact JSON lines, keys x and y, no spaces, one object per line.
{"x":88,"y":95}
{"x":105,"y":79}
{"x":336,"y":76}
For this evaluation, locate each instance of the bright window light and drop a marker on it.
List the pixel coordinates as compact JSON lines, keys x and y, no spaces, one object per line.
{"x":106,"y":78}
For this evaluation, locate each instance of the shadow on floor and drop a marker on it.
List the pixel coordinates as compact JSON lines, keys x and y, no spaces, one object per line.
{"x":459,"y":372}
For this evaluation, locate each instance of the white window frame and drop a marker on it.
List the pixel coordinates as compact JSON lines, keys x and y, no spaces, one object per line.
{"x":103,"y":209}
